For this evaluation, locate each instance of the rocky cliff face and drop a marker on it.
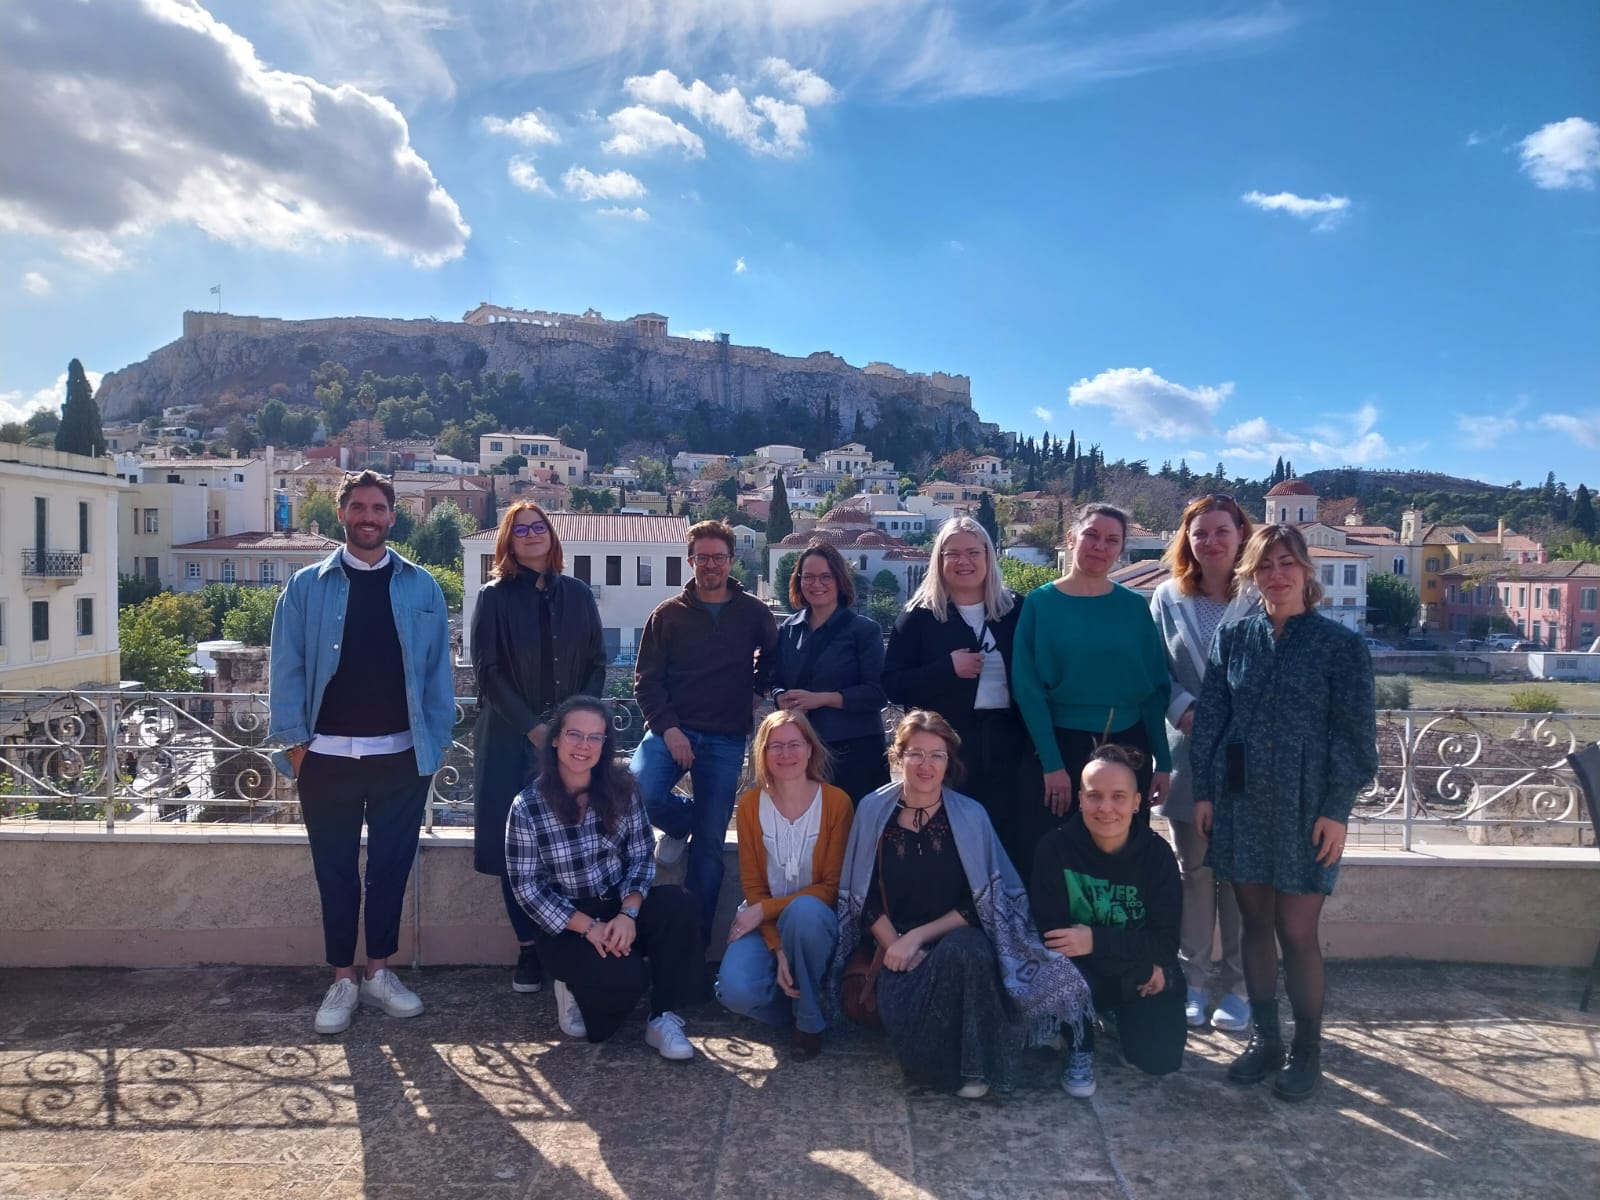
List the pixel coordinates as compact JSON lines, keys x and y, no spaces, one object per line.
{"x":246,"y":356}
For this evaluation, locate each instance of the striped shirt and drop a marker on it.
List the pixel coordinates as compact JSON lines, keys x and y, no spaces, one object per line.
{"x":550,"y":865}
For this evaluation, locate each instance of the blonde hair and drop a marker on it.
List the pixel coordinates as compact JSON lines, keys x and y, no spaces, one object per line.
{"x":932,"y":594}
{"x":1264,"y":541}
{"x":819,"y":766}
{"x":921,"y":720}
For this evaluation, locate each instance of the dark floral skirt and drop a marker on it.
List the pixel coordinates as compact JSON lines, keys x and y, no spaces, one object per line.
{"x":948,"y":1019}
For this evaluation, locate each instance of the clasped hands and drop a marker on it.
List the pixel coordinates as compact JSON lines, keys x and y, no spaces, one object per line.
{"x":613,"y":938}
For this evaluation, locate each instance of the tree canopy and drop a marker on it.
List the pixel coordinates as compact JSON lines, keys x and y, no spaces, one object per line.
{"x":79,"y":431}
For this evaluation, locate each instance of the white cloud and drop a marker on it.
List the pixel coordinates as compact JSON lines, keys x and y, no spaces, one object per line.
{"x":15,"y":405}
{"x":803,"y":86}
{"x":640,"y":130}
{"x":1345,"y":438}
{"x":1585,"y":429}
{"x":96,"y":251}
{"x":728,"y":112}
{"x":35,"y":283}
{"x":699,"y":335}
{"x":1563,"y":154}
{"x":1326,"y":211}
{"x":530,"y":129}
{"x":613,"y":185}
{"x":180,"y":122}
{"x":525,"y":175}
{"x":627,"y":214}
{"x":1149,"y":405}
{"x":739,"y":267}
{"x":1487,"y":426}
{"x":1044,"y":414}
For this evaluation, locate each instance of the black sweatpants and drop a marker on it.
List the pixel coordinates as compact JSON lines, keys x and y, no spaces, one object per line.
{"x":336,"y":795}
{"x":668,"y":958}
{"x":1151,"y":1028}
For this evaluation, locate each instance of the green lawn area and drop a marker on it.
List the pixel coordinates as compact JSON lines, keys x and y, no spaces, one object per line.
{"x":1440,"y":691}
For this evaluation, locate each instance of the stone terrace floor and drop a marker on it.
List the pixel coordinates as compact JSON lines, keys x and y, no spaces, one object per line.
{"x":1441,"y":1081}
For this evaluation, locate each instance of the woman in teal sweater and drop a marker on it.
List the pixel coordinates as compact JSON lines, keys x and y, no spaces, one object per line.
{"x":1089,"y":667}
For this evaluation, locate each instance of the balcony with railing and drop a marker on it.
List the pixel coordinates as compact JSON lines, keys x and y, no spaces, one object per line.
{"x":52,"y":564}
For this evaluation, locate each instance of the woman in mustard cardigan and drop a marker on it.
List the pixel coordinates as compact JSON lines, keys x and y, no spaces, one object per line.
{"x":793,"y":827}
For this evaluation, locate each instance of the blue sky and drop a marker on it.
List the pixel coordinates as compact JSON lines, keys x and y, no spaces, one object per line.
{"x":1348,"y":233}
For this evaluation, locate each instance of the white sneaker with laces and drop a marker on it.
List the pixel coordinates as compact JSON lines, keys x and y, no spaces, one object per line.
{"x":567,"y":1014}
{"x":670,"y":850}
{"x":338,"y":1007}
{"x":665,"y":1034}
{"x":384,"y":990}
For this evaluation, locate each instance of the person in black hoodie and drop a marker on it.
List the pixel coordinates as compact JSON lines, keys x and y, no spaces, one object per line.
{"x":1107,"y":894}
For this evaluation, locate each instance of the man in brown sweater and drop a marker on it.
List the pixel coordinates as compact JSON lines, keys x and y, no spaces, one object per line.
{"x":703,"y":668}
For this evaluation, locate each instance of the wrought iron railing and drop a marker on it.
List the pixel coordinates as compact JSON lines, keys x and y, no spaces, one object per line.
{"x":52,"y":564}
{"x":203,"y":757}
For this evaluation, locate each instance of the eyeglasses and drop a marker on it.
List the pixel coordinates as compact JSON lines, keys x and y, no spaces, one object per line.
{"x":957,"y":555}
{"x":813,"y":580}
{"x":916,"y":758}
{"x":575,"y":738}
{"x":1223,"y":497}
{"x":710,"y":560}
{"x":786,"y":747}
{"x":532,"y":529}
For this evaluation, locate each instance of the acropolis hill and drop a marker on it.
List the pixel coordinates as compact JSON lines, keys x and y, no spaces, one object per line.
{"x":588,"y":354}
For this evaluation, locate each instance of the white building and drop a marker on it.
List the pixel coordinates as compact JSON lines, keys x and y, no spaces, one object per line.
{"x":987,"y":469}
{"x":545,"y":454}
{"x":788,"y":456}
{"x":850,"y":459}
{"x":1343,"y":574}
{"x":691,"y":463}
{"x":256,"y":558}
{"x":173,"y":501}
{"x":900,"y":522}
{"x":866,"y":548}
{"x":58,"y":569}
{"x":631,"y":562}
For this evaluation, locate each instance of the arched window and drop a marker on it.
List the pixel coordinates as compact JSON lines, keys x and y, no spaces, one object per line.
{"x":1399,"y":564}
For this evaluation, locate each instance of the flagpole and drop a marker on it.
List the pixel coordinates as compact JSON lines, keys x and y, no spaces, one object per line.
{"x":217,"y":292}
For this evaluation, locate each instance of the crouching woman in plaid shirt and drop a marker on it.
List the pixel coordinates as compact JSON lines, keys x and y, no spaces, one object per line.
{"x":580,"y":859}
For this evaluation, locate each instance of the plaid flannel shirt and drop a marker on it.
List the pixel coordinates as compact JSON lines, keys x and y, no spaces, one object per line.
{"x":549,"y":865}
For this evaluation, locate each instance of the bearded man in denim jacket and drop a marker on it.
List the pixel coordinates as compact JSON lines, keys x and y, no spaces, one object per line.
{"x":362,"y":697}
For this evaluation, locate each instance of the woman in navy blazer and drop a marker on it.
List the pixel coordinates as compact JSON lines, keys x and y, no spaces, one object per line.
{"x":828,"y":665}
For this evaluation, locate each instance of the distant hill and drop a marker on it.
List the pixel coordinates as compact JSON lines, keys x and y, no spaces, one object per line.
{"x":1364,"y":482}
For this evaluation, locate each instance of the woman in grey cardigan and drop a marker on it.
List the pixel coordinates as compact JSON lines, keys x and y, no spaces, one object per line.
{"x":1201,"y":593}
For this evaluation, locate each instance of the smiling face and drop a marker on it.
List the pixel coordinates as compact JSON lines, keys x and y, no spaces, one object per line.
{"x":787,"y":753}
{"x":1281,"y":579}
{"x":580,"y":741}
{"x":530,"y":538}
{"x":1214,"y":541}
{"x":923,"y":763}
{"x":710,"y":558}
{"x":963,"y":565}
{"x":1096,"y":545}
{"x":818,"y":586}
{"x":367,"y":519}
{"x":1109,"y":796}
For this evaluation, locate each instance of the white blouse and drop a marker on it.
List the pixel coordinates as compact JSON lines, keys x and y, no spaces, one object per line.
{"x":791,"y":845}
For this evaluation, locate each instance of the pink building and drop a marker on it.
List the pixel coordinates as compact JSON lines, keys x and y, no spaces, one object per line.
{"x":1556,"y":604}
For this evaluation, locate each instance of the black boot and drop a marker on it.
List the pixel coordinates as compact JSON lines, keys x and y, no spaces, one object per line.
{"x":528,"y":977}
{"x":1264,"y":1053}
{"x":1299,"y":1079}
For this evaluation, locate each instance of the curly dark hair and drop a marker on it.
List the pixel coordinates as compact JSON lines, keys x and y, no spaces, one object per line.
{"x":612,"y":789}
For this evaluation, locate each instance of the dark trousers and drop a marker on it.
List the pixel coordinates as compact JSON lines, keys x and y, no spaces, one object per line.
{"x":336,"y":795}
{"x":994,"y":753}
{"x":1076,"y":746}
{"x":860,"y":766}
{"x":521,"y":923}
{"x":1151,"y":1028}
{"x":668,"y":958}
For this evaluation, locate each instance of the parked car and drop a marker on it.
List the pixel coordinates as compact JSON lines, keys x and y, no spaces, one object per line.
{"x":1378,"y":646}
{"x":1467,"y":645}
{"x":1525,"y":647}
{"x":1503,"y":641}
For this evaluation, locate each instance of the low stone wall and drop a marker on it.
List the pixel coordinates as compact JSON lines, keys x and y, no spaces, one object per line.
{"x":188,"y":896}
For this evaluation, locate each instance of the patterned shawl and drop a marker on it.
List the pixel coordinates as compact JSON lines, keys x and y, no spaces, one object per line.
{"x":1044,"y":988}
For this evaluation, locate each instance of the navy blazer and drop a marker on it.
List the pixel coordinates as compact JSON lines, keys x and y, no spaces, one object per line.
{"x":851,"y":664}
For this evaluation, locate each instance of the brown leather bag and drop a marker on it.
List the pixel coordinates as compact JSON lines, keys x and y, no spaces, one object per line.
{"x":860,"y":983}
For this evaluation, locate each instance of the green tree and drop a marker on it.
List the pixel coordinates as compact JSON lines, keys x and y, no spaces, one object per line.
{"x":885,"y":610}
{"x":1392,"y":603}
{"x":511,"y":464}
{"x":780,"y":577}
{"x":79,"y":431}
{"x":886,"y":583}
{"x":319,"y":506}
{"x":269,"y":421}
{"x":250,"y":621}
{"x":986,"y":518}
{"x":219,"y":600}
{"x":183,"y":615}
{"x":1578,"y":552}
{"x":134,"y":589}
{"x":150,"y":654}
{"x":42,"y":423}
{"x":1024,"y":577}
{"x":456,"y":442}
{"x":450,"y":583}
{"x":437,"y":540}
{"x":1583,"y":518}
{"x":780,"y":523}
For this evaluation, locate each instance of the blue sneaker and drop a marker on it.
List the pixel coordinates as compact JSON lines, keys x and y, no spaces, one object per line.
{"x":1232,"y":1015}
{"x":1077,"y":1079}
{"x":1194,"y":1008}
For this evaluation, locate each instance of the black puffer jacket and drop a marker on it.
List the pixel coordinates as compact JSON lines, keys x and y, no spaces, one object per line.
{"x":508,"y":640}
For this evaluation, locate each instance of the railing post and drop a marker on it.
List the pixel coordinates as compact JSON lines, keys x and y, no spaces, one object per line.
{"x":1407,"y":787}
{"x":109,"y":763}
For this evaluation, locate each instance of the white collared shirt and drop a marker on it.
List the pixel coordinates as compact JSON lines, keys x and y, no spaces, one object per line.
{"x":361,"y":747}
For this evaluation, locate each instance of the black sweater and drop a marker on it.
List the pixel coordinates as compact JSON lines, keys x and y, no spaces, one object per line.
{"x":1133,"y":899}
{"x":367,"y":695}
{"x":918,"y":673}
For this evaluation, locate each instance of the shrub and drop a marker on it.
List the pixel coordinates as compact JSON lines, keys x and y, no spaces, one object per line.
{"x":1535,"y":700}
{"x":1394,"y":692}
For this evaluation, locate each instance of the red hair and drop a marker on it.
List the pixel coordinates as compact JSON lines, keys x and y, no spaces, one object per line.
{"x":505,"y":561}
{"x":1180,"y":558}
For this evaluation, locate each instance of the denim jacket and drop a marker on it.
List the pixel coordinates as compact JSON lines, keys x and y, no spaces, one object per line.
{"x":307,"y":629}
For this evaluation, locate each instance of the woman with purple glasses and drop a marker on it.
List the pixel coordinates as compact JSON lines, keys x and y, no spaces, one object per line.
{"x":535,"y":643}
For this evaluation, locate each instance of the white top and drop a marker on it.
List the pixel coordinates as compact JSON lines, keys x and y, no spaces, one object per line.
{"x":791,"y":845}
{"x":993,"y":691}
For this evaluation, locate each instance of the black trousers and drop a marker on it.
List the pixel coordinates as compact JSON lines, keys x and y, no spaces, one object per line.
{"x":1076,"y":747}
{"x":860,"y":766}
{"x":994,"y":754}
{"x":668,"y":958}
{"x":336,"y":796}
{"x":1151,"y":1028}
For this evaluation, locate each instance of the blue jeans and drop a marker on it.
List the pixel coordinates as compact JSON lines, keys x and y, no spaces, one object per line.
{"x":718,"y":760}
{"x":748,"y":981}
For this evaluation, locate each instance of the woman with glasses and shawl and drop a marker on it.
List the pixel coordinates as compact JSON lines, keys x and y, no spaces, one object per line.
{"x":962,"y":981}
{"x":535,"y":642}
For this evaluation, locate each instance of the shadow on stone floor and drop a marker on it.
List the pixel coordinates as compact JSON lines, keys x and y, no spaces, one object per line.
{"x":1441,"y":1081}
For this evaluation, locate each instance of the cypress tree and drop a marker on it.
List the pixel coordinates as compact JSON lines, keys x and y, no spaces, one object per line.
{"x":779,"y":523}
{"x":1583,"y":512}
{"x":986,"y":518}
{"x":79,"y":432}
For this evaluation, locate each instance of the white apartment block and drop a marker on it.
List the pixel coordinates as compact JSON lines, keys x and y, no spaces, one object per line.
{"x":58,"y":569}
{"x":544,"y":453}
{"x":691,"y":463}
{"x":631,"y":562}
{"x":172,"y":501}
{"x":1343,"y":574}
{"x":987,"y":469}
{"x":850,"y":459}
{"x":788,"y":456}
{"x":255,"y":558}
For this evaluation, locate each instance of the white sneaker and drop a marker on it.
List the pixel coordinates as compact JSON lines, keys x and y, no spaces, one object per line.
{"x":338,"y":1007}
{"x":384,"y":990}
{"x":670,"y":850}
{"x":567,"y":1014}
{"x":973,"y":1089}
{"x":665,"y":1033}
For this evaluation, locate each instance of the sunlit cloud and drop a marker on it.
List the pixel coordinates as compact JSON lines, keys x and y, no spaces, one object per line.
{"x":1563,"y":154}
{"x":1149,"y":406}
{"x":1324,"y":212}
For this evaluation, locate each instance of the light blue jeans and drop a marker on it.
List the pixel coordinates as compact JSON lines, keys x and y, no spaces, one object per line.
{"x":718,"y":760}
{"x":748,"y":981}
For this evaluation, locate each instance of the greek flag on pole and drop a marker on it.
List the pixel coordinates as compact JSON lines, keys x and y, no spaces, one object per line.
{"x":216,"y":289}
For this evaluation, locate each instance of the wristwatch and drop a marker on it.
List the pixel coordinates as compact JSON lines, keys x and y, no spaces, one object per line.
{"x":630,"y":910}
